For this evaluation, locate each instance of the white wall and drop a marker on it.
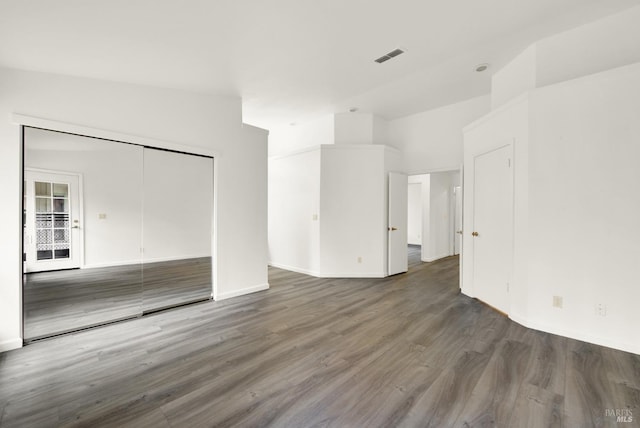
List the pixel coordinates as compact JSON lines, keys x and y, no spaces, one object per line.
{"x":178,"y":206}
{"x":583,"y":208}
{"x":575,"y":165}
{"x":181,"y":118}
{"x":353,"y":211}
{"x":294,"y":209}
{"x":516,"y":78}
{"x":440,"y":229}
{"x":353,"y":128}
{"x":381,"y":131}
{"x":288,"y":139}
{"x":597,"y":46}
{"x":432,"y":140}
{"x":414,"y":214}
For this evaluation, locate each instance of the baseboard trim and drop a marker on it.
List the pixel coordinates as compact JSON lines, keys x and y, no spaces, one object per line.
{"x":140,"y":261}
{"x":330,"y":274}
{"x":241,"y":292}
{"x":577,"y":335}
{"x":354,"y":275}
{"x":8,"y":345}
{"x":433,"y":259}
{"x":295,"y":269}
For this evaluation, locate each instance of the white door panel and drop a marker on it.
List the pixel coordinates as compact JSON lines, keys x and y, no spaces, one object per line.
{"x":52,"y":224}
{"x":397,"y":227}
{"x":492,"y":222}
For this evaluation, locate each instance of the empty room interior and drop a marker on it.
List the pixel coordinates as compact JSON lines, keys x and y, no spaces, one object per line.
{"x":320,"y":213}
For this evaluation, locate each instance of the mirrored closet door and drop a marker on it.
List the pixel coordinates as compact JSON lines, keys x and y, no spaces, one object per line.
{"x":82,"y":232}
{"x":177,"y":223}
{"x":111,"y":231}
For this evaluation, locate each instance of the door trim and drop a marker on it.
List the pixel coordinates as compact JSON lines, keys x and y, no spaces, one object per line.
{"x":80,"y":248}
{"x":468,"y":206}
{"x":511,"y":146}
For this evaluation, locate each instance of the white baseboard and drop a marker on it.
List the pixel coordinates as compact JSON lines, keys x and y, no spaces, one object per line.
{"x":8,"y":345}
{"x":634,"y":348}
{"x":241,"y":292}
{"x":330,"y":274}
{"x":354,"y":275}
{"x":140,"y":261}
{"x":433,"y":259}
{"x":295,"y":269}
{"x":111,"y":264}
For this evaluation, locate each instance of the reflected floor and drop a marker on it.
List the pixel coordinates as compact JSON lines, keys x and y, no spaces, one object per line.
{"x":61,"y":301}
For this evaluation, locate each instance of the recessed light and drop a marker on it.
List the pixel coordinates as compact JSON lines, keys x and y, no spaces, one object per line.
{"x":353,"y":109}
{"x":292,"y":124}
{"x":481,"y":67}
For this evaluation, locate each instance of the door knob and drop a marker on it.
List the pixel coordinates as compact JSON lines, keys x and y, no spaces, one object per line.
{"x":392,"y":229}
{"x":75,"y":227}
{"x":474,"y":234}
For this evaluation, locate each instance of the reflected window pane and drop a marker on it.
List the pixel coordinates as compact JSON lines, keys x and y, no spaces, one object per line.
{"x":61,"y":220}
{"x":43,"y":189}
{"x":44,"y":254}
{"x":60,"y":190}
{"x":43,"y":237}
{"x":60,"y":235}
{"x":43,"y":221}
{"x":61,"y":254}
{"x":43,"y":205}
{"x":60,"y":205}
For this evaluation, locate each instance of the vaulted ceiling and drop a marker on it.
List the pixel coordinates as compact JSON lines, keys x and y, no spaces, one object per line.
{"x":290,"y":60}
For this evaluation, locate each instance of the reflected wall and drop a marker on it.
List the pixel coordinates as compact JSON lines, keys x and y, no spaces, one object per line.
{"x":177,"y":224}
{"x":111,"y":231}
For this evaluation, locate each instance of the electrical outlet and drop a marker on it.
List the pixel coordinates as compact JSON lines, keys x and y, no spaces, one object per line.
{"x":601,"y":309}
{"x":359,"y":259}
{"x":557,"y":301}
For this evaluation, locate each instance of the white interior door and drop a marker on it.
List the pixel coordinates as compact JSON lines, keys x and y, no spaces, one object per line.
{"x":397,"y":227}
{"x":457,"y":220}
{"x":52,"y":234}
{"x":492,"y":222}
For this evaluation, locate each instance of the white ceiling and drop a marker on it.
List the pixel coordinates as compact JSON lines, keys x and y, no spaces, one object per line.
{"x":290,"y":60}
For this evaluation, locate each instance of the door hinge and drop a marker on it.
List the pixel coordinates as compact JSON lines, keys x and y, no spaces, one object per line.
{"x":509,"y":162}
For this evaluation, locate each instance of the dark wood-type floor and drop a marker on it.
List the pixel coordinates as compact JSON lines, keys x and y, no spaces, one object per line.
{"x":61,"y":301}
{"x":409,"y":350}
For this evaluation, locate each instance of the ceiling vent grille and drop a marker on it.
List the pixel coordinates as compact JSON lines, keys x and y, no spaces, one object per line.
{"x":394,"y":53}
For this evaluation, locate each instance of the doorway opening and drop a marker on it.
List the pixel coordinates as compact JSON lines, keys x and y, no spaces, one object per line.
{"x":434,"y":215}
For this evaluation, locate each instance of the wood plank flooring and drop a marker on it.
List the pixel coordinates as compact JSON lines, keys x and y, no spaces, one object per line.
{"x":61,"y":301}
{"x":406,"y":351}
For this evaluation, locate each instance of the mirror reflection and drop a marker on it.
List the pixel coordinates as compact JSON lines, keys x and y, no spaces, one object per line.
{"x":177,"y":221}
{"x":111,"y":231}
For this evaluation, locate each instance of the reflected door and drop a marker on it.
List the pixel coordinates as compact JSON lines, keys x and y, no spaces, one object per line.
{"x":52,"y":221}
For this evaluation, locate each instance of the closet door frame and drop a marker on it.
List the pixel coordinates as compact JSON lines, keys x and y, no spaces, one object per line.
{"x":53,"y":125}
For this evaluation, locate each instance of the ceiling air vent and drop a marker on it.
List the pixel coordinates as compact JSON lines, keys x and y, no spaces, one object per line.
{"x":387,"y":57}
